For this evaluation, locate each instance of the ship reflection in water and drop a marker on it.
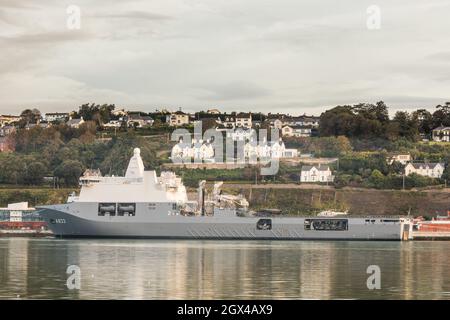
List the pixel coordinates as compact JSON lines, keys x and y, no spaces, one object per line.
{"x":144,"y":269}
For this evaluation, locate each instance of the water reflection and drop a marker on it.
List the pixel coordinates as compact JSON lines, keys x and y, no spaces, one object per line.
{"x":117,"y":269}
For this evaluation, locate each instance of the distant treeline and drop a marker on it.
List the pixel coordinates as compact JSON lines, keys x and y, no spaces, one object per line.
{"x":64,"y":153}
{"x":372,"y":121}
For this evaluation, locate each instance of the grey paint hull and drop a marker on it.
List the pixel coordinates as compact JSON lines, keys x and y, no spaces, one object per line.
{"x":230,"y":227}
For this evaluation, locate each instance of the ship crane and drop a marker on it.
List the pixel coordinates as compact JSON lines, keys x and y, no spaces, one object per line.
{"x":227,"y":200}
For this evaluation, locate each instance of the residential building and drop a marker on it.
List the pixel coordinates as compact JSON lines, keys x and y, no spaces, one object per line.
{"x":307,"y":121}
{"x":278,"y":121}
{"x":139,"y":121}
{"x":194,"y":150}
{"x":277,"y":124}
{"x":256,"y":123}
{"x":56,"y":116}
{"x":178,"y":118}
{"x":432,"y":170}
{"x":8,"y":119}
{"x":268,"y":150}
{"x":113,"y":124}
{"x":403,"y":158}
{"x":240,"y":133}
{"x":75,"y":123}
{"x":119,"y":113}
{"x":319,"y":173}
{"x":7,"y":130}
{"x":244,"y":120}
{"x":213,"y":111}
{"x":227,"y":122}
{"x":296,"y":131}
{"x":43,"y":125}
{"x":441,"y":134}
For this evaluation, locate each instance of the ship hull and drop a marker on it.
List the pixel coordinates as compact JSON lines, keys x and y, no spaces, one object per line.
{"x":226,"y":227}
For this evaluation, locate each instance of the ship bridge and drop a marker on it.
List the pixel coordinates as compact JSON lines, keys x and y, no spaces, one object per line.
{"x":137,"y":185}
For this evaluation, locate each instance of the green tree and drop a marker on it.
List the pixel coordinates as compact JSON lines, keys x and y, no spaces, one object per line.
{"x":35,"y":173}
{"x":69,"y":171}
{"x":376,"y":179}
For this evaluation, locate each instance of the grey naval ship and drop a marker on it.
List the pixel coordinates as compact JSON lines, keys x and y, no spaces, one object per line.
{"x":144,"y":205}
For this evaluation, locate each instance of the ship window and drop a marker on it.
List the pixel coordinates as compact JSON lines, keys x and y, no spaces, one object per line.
{"x":307,"y":224}
{"x":152,"y":206}
{"x":106,"y":209}
{"x":330,"y":224}
{"x":174,"y":206}
{"x":126,"y":209}
{"x":389,"y":220}
{"x":264,"y":224}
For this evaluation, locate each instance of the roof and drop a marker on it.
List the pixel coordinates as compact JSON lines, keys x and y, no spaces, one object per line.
{"x":56,"y":113}
{"x":139,"y":117}
{"x":441,"y":128}
{"x":8,"y":116}
{"x":426,"y":165}
{"x":319,"y":167}
{"x":243,"y":115}
{"x":74,"y":121}
{"x":296,"y":127}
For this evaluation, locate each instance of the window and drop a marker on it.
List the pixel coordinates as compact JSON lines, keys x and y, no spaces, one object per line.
{"x":307,"y":224}
{"x":106,"y":209}
{"x":126,"y":209}
{"x":264,"y":224}
{"x":328,"y":224}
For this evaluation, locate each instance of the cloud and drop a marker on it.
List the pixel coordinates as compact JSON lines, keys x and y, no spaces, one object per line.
{"x":235,"y":91}
{"x":439,"y":56}
{"x":300,"y":56}
{"x":44,"y":38}
{"x":136,"y":15}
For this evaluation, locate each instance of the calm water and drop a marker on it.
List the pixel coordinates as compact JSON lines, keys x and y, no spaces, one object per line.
{"x":145,"y":269}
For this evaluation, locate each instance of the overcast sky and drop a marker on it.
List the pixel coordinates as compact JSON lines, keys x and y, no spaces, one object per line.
{"x":291,"y":56}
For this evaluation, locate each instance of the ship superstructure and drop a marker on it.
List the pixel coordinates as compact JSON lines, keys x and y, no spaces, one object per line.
{"x":143,"y":205}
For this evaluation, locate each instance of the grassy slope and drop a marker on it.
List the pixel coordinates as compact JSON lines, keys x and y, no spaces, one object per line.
{"x":290,"y":199}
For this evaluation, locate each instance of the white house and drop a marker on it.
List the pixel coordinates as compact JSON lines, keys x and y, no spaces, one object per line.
{"x":403,"y":158}
{"x":75,"y":123}
{"x":113,"y":124}
{"x":139,"y":121}
{"x":296,"y":131}
{"x":119,"y":113}
{"x":432,"y":170}
{"x":308,"y":121}
{"x":240,"y":134}
{"x":441,"y":134}
{"x":195,"y":150}
{"x":228,"y":122}
{"x":56,"y":116}
{"x":244,"y":120}
{"x":265,"y":150}
{"x":316,"y":174}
